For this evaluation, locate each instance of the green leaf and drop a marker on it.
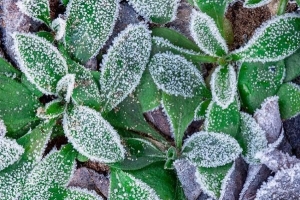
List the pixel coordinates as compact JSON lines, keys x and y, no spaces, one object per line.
{"x":10,"y":152}
{"x":175,"y":75}
{"x":65,"y":87}
{"x":124,"y":65}
{"x":206,"y":35}
{"x":292,"y":66}
{"x":89,"y":24}
{"x":54,"y":170}
{"x":59,"y":27}
{"x":252,"y":138}
{"x":72,"y":193}
{"x":208,"y":149}
{"x":289,"y":95}
{"x":53,"y":109}
{"x":40,"y":61}
{"x":64,"y":2}
{"x":17,"y":106}
{"x":37,"y":9}
{"x":30,"y":86}
{"x":8,"y":70}
{"x":221,"y":120}
{"x":201,"y":110}
{"x":92,"y":136}
{"x":273,"y":41}
{"x":13,"y":178}
{"x":139,"y":154}
{"x":156,"y":11}
{"x":46,"y":35}
{"x":257,"y":81}
{"x":255,"y":3}
{"x":223,"y":85}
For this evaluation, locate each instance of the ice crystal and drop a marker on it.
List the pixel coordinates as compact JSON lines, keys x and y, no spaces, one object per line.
{"x":2,"y":129}
{"x":208,"y":149}
{"x":124,"y":64}
{"x":92,"y":135}
{"x":206,"y":34}
{"x":175,"y":75}
{"x":65,"y":86}
{"x":59,"y":25}
{"x":10,"y":152}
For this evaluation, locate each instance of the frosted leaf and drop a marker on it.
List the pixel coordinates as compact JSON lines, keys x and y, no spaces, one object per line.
{"x":223,"y":85}
{"x":89,"y":24}
{"x":156,"y":11}
{"x":53,"y":109}
{"x":206,"y":34}
{"x":37,"y":9}
{"x":208,"y":149}
{"x":175,"y":75}
{"x":251,"y":138}
{"x":2,"y":129}
{"x":73,"y":193}
{"x":92,"y":136}
{"x":201,"y":110}
{"x":124,"y":64}
{"x":65,"y":86}
{"x":41,"y":62}
{"x":10,"y":152}
{"x":273,"y":41}
{"x":54,"y":170}
{"x":59,"y":25}
{"x":289,"y":94}
{"x":255,"y":3}
{"x":125,"y":186}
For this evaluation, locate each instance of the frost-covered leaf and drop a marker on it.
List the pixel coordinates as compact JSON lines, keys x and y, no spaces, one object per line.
{"x":156,"y":11}
{"x":64,"y":2}
{"x":208,"y":149}
{"x":255,"y":3}
{"x":30,"y":86}
{"x":273,"y":41}
{"x":51,"y":110}
{"x":89,"y":24}
{"x":2,"y":129}
{"x":289,"y":104}
{"x":13,"y":178}
{"x":46,"y":35}
{"x":223,"y":120}
{"x":54,"y":170}
{"x":175,"y":75}
{"x":206,"y":34}
{"x":40,"y":61}
{"x":73,"y":193}
{"x":292,"y":66}
{"x":8,"y":70}
{"x":257,"y":81}
{"x":37,"y":9}
{"x":213,"y":180}
{"x":124,"y":65}
{"x":201,"y":110}
{"x":59,"y":26}
{"x":92,"y":136}
{"x":10,"y":152}
{"x":65,"y":86}
{"x":251,"y":138}
{"x":223,"y":85}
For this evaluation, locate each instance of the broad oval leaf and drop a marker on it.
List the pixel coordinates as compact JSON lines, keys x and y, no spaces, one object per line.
{"x":92,"y":136}
{"x":206,"y":35}
{"x":289,"y":104}
{"x":156,"y":11}
{"x":255,"y":3}
{"x":292,"y":66}
{"x":72,"y":193}
{"x":175,"y":75}
{"x":124,"y":65}
{"x":89,"y":24}
{"x":40,"y":61}
{"x":223,"y":85}
{"x":10,"y":152}
{"x":273,"y":41}
{"x":208,"y":149}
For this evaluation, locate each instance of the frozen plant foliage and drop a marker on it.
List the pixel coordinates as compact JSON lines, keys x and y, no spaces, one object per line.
{"x":175,"y":75}
{"x":65,"y":86}
{"x":255,"y":3}
{"x":10,"y":152}
{"x":59,"y":25}
{"x":124,"y":64}
{"x":208,"y":149}
{"x":82,"y":194}
{"x":289,"y":94}
{"x":2,"y":128}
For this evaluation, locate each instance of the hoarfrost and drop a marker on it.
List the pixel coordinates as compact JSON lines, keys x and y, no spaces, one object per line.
{"x":255,"y":4}
{"x":65,"y":86}
{"x":10,"y":152}
{"x":82,"y":194}
{"x":59,"y":25}
{"x":2,"y":129}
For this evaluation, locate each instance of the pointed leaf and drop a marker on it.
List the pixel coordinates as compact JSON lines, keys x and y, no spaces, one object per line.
{"x":65,"y":86}
{"x":201,"y":110}
{"x":273,"y":41}
{"x":10,"y":152}
{"x":8,"y":70}
{"x":223,"y":85}
{"x":92,"y":136}
{"x":72,"y":193}
{"x":51,"y":110}
{"x":292,"y":66}
{"x":30,"y":86}
{"x":206,"y":34}
{"x":156,"y":11}
{"x":255,"y":3}
{"x":89,"y":24}
{"x":40,"y":61}
{"x":124,"y":65}
{"x":289,"y":104}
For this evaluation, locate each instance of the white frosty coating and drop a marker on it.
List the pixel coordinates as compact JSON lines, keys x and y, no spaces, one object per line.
{"x":59,"y":25}
{"x":65,"y":86}
{"x":124,"y":64}
{"x":254,"y":137}
{"x":209,"y":149}
{"x":46,"y":66}
{"x":252,"y":172}
{"x":10,"y":152}
{"x":166,"y":9}
{"x":226,"y":180}
{"x":81,"y":194}
{"x":172,"y":130}
{"x":278,"y":141}
{"x":175,"y":75}
{"x":2,"y":129}
{"x":129,"y":187}
{"x":197,"y":110}
{"x":92,"y":136}
{"x":206,"y":34}
{"x":41,"y":111}
{"x":247,"y":3}
{"x":284,"y":185}
{"x":269,"y":42}
{"x":37,"y":9}
{"x":223,"y":86}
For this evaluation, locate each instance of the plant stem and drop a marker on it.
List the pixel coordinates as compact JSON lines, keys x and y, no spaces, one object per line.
{"x":282,"y":7}
{"x":204,"y":58}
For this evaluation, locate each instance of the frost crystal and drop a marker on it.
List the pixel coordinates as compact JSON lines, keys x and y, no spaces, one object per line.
{"x":124,"y":64}
{"x":206,"y":34}
{"x":175,"y":75}
{"x":92,"y":136}
{"x":206,"y":149}
{"x":10,"y":152}
{"x":223,"y":85}
{"x":59,"y":25}
{"x":2,"y":129}
{"x":65,"y":86}
{"x":41,"y":62}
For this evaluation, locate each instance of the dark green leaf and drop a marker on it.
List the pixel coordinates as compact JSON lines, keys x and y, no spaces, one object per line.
{"x":292,"y":66}
{"x":46,"y":35}
{"x":289,"y":104}
{"x":8,"y":70}
{"x":51,"y":110}
{"x":201,"y":110}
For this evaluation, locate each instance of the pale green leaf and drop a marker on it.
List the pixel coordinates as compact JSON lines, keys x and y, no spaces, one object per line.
{"x":10,"y":152}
